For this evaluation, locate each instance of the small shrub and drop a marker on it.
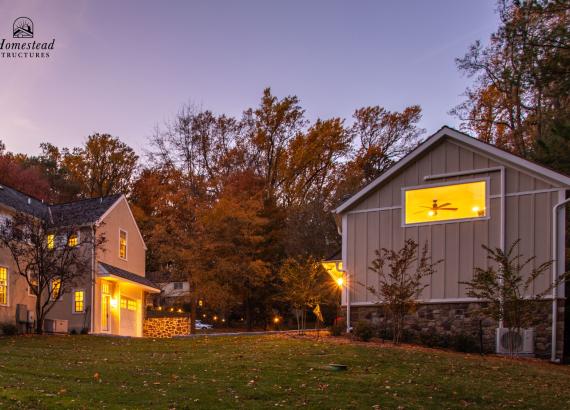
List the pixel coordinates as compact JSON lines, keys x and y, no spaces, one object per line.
{"x":84,"y":331}
{"x":338,"y":328}
{"x":364,"y":331}
{"x":73,"y":332}
{"x":9,"y":329}
{"x":465,"y":343}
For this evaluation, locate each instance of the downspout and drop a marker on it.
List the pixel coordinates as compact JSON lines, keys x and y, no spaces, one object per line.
{"x":555,"y":261}
{"x":344,"y":255}
{"x":92,"y":321}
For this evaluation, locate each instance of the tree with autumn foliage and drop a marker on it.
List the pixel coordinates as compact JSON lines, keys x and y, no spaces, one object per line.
{"x":520,"y":97}
{"x":104,"y":166}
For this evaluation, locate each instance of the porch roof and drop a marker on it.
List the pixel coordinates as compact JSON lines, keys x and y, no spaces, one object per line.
{"x":109,"y":270}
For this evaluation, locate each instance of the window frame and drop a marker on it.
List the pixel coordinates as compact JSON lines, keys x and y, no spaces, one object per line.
{"x":7,"y":287}
{"x":51,"y":241}
{"x":126,"y":244}
{"x":487,"y":216}
{"x":77,"y":312}
{"x":78,"y":234}
{"x":60,"y":295}
{"x":29,"y":292}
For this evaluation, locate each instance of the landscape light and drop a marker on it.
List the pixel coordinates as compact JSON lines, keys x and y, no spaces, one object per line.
{"x":180,"y":310}
{"x":276,"y":319}
{"x":159,"y":308}
{"x":215,"y":318}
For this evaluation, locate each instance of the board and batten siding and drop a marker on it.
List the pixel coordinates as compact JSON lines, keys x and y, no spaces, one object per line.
{"x":376,"y":222}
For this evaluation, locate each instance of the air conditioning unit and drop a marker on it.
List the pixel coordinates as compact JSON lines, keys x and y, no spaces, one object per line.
{"x":21,"y":313}
{"x":518,"y":342}
{"x":55,"y":326}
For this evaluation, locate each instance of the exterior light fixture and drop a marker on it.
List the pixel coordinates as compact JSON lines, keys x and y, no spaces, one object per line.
{"x":215,"y":318}
{"x":113,"y":303}
{"x":159,"y":308}
{"x":276,"y":319}
{"x":180,"y":310}
{"x":340,"y":281}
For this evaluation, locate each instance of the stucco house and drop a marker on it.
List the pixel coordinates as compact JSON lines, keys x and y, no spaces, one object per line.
{"x":456,"y":193}
{"x":107,"y":299}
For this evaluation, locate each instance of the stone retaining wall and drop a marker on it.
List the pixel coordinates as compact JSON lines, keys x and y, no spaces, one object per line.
{"x":451,"y":319}
{"x":162,"y":327}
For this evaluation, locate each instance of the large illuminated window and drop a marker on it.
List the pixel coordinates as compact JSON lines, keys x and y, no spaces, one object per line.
{"x":446,"y":202}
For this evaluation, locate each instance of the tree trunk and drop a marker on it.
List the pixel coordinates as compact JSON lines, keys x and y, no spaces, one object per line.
{"x":248,"y":318}
{"x":39,"y":316}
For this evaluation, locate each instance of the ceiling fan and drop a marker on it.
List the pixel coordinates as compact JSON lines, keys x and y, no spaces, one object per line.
{"x":435,"y":207}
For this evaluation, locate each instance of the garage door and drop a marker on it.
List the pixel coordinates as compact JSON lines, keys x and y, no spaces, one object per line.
{"x":129,"y":314}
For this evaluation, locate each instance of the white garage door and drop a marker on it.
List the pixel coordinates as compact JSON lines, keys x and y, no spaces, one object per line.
{"x":129,"y":314}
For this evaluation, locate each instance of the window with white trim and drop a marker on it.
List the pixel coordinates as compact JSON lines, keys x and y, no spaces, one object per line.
{"x":79,"y":301}
{"x":3,"y":285}
{"x":122,"y":244}
{"x":445,"y":202}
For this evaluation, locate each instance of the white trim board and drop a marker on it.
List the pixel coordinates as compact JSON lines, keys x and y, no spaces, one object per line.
{"x":454,"y":135}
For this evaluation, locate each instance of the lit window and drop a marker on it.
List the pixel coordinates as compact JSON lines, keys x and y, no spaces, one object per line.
{"x":33,"y":286}
{"x":51,"y":241}
{"x":122,"y":244}
{"x":78,"y":301}
{"x":55,"y":288}
{"x":131,"y":304}
{"x":3,"y":286}
{"x":446,"y":203}
{"x":104,"y":287}
{"x":123,"y":303}
{"x":73,"y":240}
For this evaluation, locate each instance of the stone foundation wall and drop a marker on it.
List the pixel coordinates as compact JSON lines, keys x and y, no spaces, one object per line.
{"x":447,"y":320}
{"x":162,"y":327}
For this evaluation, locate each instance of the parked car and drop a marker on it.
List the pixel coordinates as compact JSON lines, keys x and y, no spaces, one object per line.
{"x":200,"y":325}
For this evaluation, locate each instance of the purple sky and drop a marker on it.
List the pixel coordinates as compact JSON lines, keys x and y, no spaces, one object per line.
{"x":123,"y":67}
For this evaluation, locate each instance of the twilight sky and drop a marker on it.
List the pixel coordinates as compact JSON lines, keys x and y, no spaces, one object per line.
{"x":123,"y":67}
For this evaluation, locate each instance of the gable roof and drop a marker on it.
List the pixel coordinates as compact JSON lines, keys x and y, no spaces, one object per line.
{"x":82,"y":212}
{"x":453,"y":134}
{"x":22,"y":202}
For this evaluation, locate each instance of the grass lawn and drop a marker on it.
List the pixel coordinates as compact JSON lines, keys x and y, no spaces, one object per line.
{"x":264,"y":372}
